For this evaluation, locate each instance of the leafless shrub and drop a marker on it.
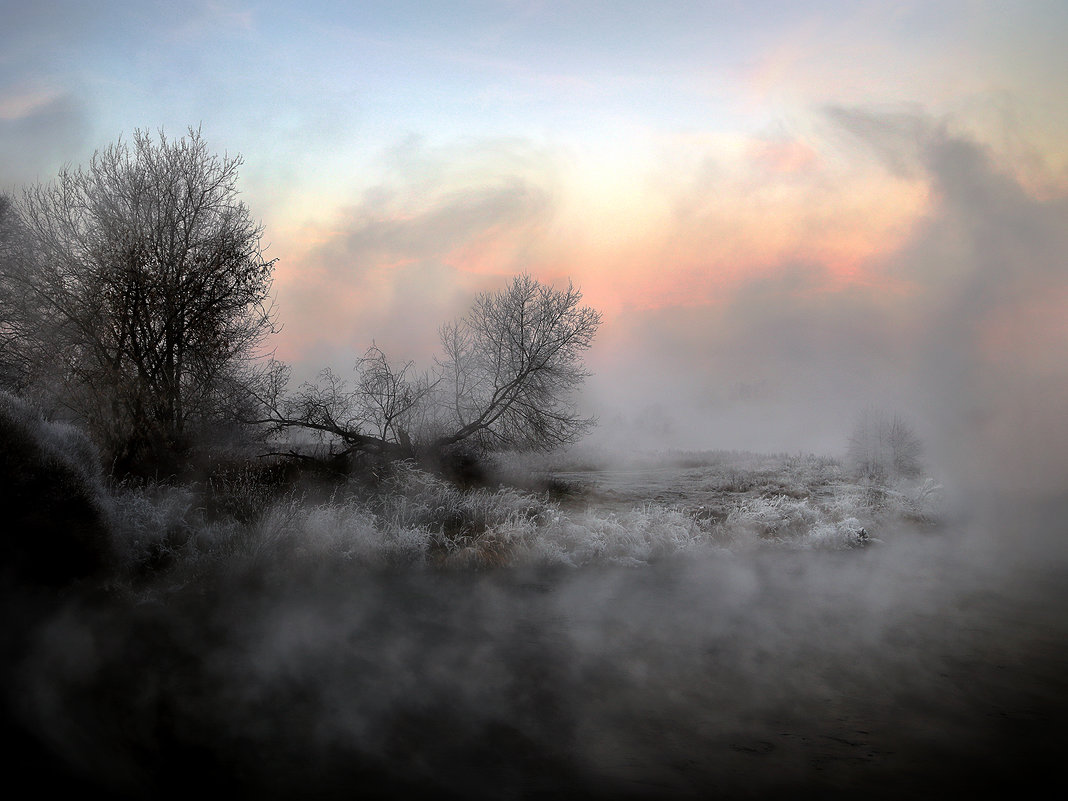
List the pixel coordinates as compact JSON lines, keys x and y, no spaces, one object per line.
{"x":883,"y":448}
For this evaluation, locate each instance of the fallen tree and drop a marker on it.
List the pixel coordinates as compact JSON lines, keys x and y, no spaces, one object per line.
{"x":506,"y":379}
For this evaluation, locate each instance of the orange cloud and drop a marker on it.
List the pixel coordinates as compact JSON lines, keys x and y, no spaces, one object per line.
{"x":786,"y":157}
{"x":684,"y":221}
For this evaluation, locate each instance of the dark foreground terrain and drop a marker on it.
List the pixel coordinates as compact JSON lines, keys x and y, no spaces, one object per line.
{"x":933,"y":665}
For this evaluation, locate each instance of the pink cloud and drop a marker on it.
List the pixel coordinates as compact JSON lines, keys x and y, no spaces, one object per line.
{"x":783,"y":157}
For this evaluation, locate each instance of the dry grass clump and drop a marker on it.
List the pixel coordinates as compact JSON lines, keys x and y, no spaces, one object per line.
{"x":792,"y":522}
{"x":478,"y":527}
{"x":642,"y":535}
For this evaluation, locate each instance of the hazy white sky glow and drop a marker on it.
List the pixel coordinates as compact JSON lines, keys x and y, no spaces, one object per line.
{"x":785,"y":210}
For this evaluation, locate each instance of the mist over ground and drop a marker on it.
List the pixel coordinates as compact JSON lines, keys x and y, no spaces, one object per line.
{"x":934,"y":663}
{"x":653,"y":653}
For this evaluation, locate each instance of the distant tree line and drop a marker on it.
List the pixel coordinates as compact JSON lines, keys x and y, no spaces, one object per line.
{"x":135,"y":299}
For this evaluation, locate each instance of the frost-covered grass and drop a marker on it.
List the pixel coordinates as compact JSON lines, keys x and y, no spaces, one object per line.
{"x":415,"y":519}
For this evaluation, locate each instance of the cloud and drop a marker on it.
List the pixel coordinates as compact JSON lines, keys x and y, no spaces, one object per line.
{"x":415,"y":249}
{"x":985,"y":263}
{"x":380,"y":228}
{"x":209,"y":16}
{"x":43,"y":129}
{"x":993,"y":368}
{"x":960,"y":328}
{"x":896,"y":137}
{"x":19,"y":104}
{"x":783,"y":156}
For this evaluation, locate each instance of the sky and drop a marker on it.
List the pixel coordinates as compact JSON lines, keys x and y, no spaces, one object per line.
{"x":787,"y":212}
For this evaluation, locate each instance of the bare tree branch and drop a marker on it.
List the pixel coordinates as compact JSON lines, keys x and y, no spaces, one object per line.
{"x":507,"y":379}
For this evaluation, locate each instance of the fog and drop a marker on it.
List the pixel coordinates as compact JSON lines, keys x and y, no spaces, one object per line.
{"x":960,"y":329}
{"x":934,"y":663}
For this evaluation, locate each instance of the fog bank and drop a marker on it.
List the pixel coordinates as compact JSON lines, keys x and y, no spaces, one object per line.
{"x":934,"y":661}
{"x":960,"y":330}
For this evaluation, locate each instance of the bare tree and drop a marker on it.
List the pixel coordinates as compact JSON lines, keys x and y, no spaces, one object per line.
{"x":144,"y":279}
{"x":15,"y":361}
{"x":905,"y":448}
{"x":512,"y":366}
{"x":507,"y":379}
{"x":884,"y":447}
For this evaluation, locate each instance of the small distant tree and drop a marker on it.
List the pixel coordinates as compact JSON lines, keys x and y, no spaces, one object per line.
{"x":506,"y":380}
{"x":883,"y":447}
{"x":142,"y":284}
